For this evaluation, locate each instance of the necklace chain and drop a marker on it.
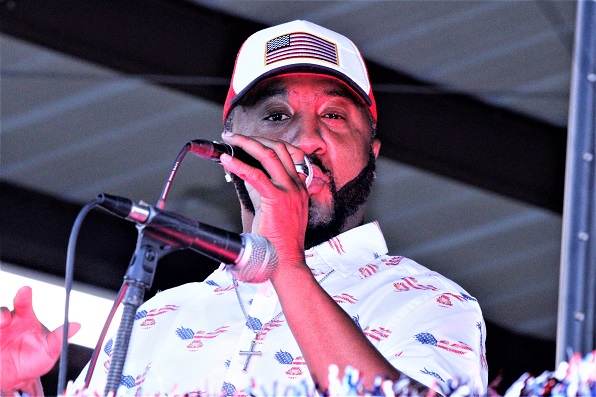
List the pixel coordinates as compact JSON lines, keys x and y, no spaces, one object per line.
{"x":250,"y":323}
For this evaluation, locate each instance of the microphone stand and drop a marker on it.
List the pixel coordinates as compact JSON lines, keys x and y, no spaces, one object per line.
{"x":139,"y":278}
{"x":149,"y":250}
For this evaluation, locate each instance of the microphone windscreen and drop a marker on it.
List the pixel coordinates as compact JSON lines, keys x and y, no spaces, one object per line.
{"x":258,"y":261}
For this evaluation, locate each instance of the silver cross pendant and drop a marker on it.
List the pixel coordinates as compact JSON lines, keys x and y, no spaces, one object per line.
{"x":250,"y":353}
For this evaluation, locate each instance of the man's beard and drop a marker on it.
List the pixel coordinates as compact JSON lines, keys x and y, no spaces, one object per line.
{"x":346,"y":202}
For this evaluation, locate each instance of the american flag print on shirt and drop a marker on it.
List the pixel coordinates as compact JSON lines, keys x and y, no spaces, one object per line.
{"x":297,"y":368}
{"x":300,"y":45}
{"x":432,"y":373}
{"x":268,"y":327}
{"x":108,"y":350}
{"x":377,"y":333}
{"x":483,"y":361}
{"x":336,"y":244}
{"x":150,"y":317}
{"x":219,"y":290}
{"x":409,"y":283}
{"x":284,"y":357}
{"x":429,"y":339}
{"x":197,"y":343}
{"x":393,"y":261}
{"x":344,"y":298}
{"x":228,"y":389}
{"x":445,"y":300}
{"x":130,"y":381}
{"x":368,"y":270}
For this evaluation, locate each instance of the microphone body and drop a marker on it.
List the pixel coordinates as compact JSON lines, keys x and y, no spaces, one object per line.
{"x":212,"y":150}
{"x":252,"y":257}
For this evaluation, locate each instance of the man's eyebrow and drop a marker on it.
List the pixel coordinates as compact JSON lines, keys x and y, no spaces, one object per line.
{"x":344,"y":92}
{"x":337,"y":92}
{"x":272,"y":92}
{"x":262,"y":94}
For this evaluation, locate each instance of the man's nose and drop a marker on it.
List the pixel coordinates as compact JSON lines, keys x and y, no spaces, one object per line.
{"x":309,"y":136}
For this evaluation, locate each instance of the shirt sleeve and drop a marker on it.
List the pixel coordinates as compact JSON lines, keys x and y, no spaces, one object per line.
{"x":441,"y":339}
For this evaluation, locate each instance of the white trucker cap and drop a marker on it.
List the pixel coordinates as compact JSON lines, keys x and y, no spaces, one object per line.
{"x":299,"y":46}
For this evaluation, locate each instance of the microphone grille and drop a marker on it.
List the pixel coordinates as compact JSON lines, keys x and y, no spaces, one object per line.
{"x":258,"y":261}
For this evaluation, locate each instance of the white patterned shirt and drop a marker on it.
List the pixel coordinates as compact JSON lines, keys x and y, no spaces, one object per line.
{"x":187,"y":340}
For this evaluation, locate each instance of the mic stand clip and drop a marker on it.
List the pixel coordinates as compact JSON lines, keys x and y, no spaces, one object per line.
{"x":149,"y":250}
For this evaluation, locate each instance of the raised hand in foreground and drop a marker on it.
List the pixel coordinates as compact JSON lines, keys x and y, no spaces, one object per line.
{"x":28,"y":350}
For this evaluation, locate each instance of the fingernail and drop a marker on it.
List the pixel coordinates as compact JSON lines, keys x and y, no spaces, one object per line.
{"x":227,"y":133}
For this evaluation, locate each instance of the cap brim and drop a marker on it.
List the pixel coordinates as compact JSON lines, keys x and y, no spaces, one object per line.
{"x":304,"y":68}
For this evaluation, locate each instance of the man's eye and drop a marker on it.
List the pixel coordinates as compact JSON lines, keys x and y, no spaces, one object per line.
{"x":333,"y":116}
{"x":277,"y":117}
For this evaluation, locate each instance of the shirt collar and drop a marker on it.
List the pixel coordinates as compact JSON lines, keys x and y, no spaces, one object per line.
{"x":350,"y":250}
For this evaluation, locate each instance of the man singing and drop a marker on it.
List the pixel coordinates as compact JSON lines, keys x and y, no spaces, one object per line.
{"x":336,"y":298}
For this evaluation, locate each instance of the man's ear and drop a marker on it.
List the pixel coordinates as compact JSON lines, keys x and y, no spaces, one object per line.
{"x":376,"y":146}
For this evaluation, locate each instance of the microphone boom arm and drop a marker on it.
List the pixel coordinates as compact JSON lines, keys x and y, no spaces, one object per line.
{"x":212,"y":242}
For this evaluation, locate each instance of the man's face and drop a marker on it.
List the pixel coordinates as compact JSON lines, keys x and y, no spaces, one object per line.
{"x":322,"y":117}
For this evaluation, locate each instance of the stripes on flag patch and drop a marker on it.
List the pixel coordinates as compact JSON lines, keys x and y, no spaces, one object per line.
{"x":300,"y":45}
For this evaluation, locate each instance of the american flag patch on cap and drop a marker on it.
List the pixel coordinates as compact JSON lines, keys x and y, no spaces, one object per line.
{"x":300,"y":45}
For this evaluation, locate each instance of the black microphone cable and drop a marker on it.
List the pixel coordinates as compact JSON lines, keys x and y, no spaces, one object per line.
{"x":68,"y":279}
{"x":161,"y":203}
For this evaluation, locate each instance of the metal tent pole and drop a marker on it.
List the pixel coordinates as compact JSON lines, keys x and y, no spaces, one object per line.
{"x":577,"y":288}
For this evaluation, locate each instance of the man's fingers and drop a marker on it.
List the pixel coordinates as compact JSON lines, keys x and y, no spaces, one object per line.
{"x":244,"y":171}
{"x":272,"y":154}
{"x":5,"y":317}
{"x":23,"y":303}
{"x":54,"y":338}
{"x":73,"y":328}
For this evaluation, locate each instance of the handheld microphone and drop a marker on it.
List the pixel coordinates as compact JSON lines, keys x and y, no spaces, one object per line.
{"x":212,"y":150}
{"x":252,"y":257}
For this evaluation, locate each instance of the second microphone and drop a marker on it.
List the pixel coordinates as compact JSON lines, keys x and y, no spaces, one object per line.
{"x":252,"y":257}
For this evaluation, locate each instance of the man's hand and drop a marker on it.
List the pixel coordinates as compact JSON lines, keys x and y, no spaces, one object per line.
{"x":281,"y":200}
{"x":27,"y":349}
